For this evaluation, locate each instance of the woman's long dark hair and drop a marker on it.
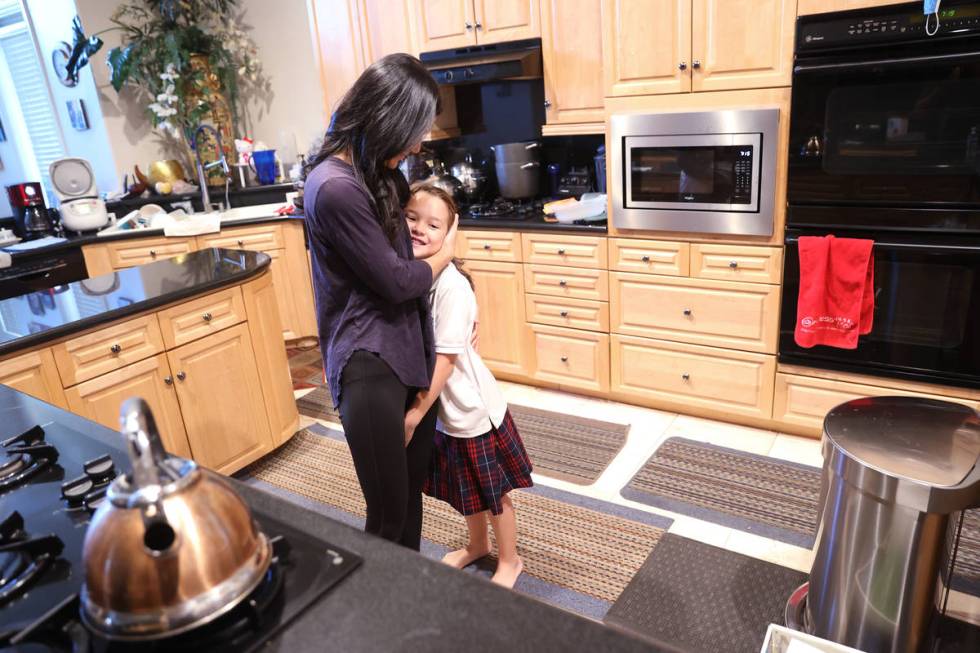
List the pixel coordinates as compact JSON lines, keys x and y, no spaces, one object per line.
{"x":389,"y":109}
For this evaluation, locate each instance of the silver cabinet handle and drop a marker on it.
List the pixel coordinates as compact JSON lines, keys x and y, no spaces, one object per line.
{"x":686,"y":376}
{"x":153,"y":253}
{"x":682,"y":65}
{"x":696,"y":64}
{"x":645,"y":258}
{"x":469,"y":25}
{"x":207,"y":317}
{"x":169,"y":380}
{"x":115,"y":349}
{"x":531,"y":164}
{"x":562,"y":283}
{"x":478,"y":25}
{"x":563,"y":313}
{"x":687,"y":312}
{"x":564,"y":359}
{"x":181,"y":376}
{"x":561,"y":251}
{"x":486,"y":246}
{"x":547,"y":104}
{"x":733,"y":264}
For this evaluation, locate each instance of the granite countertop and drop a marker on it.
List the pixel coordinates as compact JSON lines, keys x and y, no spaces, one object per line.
{"x":396,"y":600}
{"x":533,"y":223}
{"x":38,"y":317}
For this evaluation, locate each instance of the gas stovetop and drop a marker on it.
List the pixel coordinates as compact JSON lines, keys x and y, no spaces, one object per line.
{"x":501,"y":209}
{"x":52,"y":478}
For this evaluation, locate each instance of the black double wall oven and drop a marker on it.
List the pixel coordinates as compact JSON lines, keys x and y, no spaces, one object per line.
{"x":885,"y":144}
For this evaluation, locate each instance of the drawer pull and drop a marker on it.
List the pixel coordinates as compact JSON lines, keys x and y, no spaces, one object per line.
{"x":169,"y":380}
{"x":181,"y":376}
{"x":241,"y":243}
{"x":563,"y":313}
{"x":686,"y":376}
{"x":733,"y":264}
{"x":688,"y":312}
{"x":645,"y":258}
{"x":207,"y":317}
{"x":562,"y":283}
{"x":564,"y":359}
{"x":153,"y":253}
{"x":486,"y":246}
{"x":561,"y":251}
{"x":115,"y":349}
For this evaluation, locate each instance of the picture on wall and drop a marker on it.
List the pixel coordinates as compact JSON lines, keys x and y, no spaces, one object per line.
{"x":77,"y":115}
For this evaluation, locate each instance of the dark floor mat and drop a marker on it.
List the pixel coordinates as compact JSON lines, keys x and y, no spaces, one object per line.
{"x":318,"y":404}
{"x":698,"y":597}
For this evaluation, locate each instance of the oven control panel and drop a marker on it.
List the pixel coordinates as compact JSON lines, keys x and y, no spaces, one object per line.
{"x":851,"y":28}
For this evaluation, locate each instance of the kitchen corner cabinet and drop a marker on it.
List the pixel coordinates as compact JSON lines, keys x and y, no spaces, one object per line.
{"x":445,"y":24}
{"x":34,"y":373}
{"x":676,"y":46}
{"x":571,"y":44}
{"x":499,"y":289}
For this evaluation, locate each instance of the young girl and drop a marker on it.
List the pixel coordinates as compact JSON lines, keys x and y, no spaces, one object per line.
{"x":479,"y":456}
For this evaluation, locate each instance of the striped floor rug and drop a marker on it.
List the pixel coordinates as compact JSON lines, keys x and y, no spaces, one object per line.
{"x":594,"y":552}
{"x":770,"y":497}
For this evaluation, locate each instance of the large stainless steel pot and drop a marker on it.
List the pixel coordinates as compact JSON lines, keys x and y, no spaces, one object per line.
{"x":518,"y":168}
{"x":442,"y":179}
{"x":172,"y":548}
{"x":517,"y":152}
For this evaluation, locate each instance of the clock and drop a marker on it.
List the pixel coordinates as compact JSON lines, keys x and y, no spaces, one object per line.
{"x":59,"y":61}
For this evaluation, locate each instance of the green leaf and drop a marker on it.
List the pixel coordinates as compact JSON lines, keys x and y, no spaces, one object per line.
{"x":120,"y":62}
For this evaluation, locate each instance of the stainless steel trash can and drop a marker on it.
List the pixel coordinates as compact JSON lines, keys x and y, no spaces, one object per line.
{"x":897,"y":472}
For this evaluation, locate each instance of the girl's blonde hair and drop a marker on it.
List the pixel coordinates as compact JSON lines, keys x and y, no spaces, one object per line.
{"x":447,"y":199}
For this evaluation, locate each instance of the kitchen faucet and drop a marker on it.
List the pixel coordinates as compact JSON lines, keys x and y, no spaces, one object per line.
{"x":202,"y":168}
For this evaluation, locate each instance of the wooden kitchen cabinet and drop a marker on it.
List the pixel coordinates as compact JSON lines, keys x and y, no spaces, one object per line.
{"x":106,"y":349}
{"x":646,"y":46}
{"x":99,"y":399}
{"x":34,"y":373}
{"x":571,"y":358}
{"x":490,"y":245}
{"x":221,"y":400}
{"x":821,"y":6}
{"x":499,"y":289}
{"x":737,"y":262}
{"x":506,"y":20}
{"x":444,"y":24}
{"x":387,"y":27}
{"x":571,"y":45}
{"x":742,"y":44}
{"x":561,"y":249}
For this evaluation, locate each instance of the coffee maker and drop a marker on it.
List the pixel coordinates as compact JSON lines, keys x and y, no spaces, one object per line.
{"x":31,"y":219}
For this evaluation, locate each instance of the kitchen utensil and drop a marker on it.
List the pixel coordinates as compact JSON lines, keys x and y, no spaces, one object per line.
{"x":263,"y":164}
{"x":167,"y":171}
{"x":31,"y":219}
{"x":518,"y":180}
{"x":74,"y":183}
{"x":517,"y":152}
{"x":143,"y":179}
{"x":591,"y":208}
{"x":172,"y":548}
{"x":442,"y":179}
{"x":473,"y":178}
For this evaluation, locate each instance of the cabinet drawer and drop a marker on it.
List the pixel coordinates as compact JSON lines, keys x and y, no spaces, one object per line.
{"x":489,"y":245}
{"x":804,"y":401}
{"x":200,"y":317}
{"x":737,"y":263}
{"x":128,"y":253}
{"x":725,"y":314}
{"x":653,"y":256}
{"x":571,"y":358}
{"x":567,"y":312}
{"x":257,"y":239}
{"x":692,"y":375}
{"x":575,"y":251}
{"x":578,"y":283}
{"x":107,"y":349}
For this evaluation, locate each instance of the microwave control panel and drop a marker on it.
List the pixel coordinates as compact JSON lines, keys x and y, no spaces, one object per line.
{"x":742,"y":191}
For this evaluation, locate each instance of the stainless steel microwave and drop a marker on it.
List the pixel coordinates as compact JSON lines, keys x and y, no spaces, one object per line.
{"x":705,"y":172}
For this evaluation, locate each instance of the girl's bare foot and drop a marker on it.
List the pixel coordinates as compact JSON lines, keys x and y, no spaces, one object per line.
{"x":462,"y":557}
{"x":507,"y":573}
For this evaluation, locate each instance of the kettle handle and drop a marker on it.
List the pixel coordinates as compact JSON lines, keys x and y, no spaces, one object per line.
{"x":143,"y":442}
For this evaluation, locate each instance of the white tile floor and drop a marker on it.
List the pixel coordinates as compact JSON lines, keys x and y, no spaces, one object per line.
{"x":649,"y":428}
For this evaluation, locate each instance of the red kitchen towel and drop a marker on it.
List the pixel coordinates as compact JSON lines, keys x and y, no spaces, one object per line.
{"x":836,"y":302}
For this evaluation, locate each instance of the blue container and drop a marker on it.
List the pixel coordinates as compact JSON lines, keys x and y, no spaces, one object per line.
{"x":264,"y":164}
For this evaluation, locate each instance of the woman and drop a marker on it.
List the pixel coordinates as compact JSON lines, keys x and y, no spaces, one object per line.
{"x":374,"y":324}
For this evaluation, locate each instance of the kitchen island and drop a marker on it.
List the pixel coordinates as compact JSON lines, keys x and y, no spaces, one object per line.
{"x":395,"y":600}
{"x":198,"y":336}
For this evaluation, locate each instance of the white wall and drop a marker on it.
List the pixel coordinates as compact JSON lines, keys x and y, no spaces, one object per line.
{"x":294,"y":103}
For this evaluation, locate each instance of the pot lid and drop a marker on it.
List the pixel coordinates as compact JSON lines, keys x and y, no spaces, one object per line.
{"x":935,"y":443}
{"x":72,"y":178}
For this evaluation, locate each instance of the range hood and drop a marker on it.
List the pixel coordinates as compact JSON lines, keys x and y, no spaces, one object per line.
{"x":484,"y":63}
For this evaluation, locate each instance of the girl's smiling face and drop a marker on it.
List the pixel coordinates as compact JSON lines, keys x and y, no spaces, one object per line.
{"x":428,"y":223}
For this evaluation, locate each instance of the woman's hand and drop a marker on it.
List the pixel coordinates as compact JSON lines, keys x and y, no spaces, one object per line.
{"x":412,"y":419}
{"x":444,"y":256}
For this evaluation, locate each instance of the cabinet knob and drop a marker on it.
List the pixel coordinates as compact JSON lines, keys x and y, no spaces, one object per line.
{"x":645,"y":258}
{"x":696,"y":64}
{"x":207,"y":317}
{"x":169,"y":380}
{"x":682,"y":65}
{"x":563,"y":313}
{"x":478,"y":25}
{"x":241,"y":243}
{"x":686,"y":376}
{"x":547,"y":104}
{"x":469,"y":25}
{"x":115,"y":349}
{"x":733,"y":264}
{"x":561,"y":251}
{"x":564,"y":359}
{"x":487,"y":246}
{"x":562,"y":283}
{"x":687,"y":312}
{"x":153,"y":253}
{"x":181,"y":376}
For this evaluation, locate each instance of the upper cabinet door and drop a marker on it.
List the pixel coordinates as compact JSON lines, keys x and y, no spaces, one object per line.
{"x":571,"y":42}
{"x":340,"y":53}
{"x":742,"y":44}
{"x":821,"y":6}
{"x":444,"y":24}
{"x":387,"y":27}
{"x":646,"y":46}
{"x":507,"y":20}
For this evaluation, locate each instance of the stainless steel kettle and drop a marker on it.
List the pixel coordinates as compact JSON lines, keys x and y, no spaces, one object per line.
{"x":172,"y":548}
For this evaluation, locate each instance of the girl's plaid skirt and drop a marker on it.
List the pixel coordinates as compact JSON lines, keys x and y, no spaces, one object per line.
{"x":474,"y":474}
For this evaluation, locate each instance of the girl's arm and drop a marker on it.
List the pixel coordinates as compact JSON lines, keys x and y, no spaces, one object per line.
{"x":425,"y":398}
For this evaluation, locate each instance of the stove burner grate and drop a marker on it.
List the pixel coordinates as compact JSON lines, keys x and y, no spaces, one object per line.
{"x":23,"y":558}
{"x":23,"y":456}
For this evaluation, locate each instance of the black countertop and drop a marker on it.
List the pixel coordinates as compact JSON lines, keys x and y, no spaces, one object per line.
{"x":38,"y":317}
{"x":397,"y":600}
{"x":534,"y":223}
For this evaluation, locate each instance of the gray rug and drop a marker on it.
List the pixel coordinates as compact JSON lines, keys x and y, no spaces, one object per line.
{"x":318,"y":405}
{"x":575,"y":449}
{"x":772,"y":498}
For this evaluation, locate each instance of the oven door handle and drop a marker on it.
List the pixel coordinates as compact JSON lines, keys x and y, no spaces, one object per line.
{"x":852,"y":65}
{"x":793,"y":240}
